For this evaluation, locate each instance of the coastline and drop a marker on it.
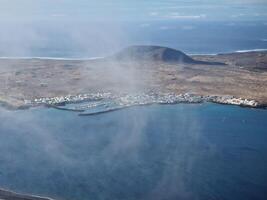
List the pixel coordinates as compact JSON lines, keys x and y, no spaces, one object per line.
{"x":126,"y":101}
{"x":99,"y":57}
{"x":35,"y":82}
{"x":50,"y":58}
{"x":11,"y":195}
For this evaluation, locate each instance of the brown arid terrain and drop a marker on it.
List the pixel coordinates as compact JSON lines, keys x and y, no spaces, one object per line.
{"x":136,"y":69}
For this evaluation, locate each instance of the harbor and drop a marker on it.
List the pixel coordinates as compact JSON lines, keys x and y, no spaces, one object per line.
{"x":94,"y":103}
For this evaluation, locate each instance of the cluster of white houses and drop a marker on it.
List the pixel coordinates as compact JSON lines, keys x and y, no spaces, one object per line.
{"x":143,"y":99}
{"x":235,"y":101}
{"x":69,"y":98}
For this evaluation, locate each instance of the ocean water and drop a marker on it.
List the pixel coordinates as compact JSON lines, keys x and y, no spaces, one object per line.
{"x":183,"y":151}
{"x":85,"y":39}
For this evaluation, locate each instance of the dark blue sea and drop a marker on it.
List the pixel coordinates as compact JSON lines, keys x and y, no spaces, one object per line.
{"x":185,"y":151}
{"x":165,"y":152}
{"x":86,"y":39}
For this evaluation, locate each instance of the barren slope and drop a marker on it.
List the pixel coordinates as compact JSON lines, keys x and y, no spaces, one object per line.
{"x":244,"y":75}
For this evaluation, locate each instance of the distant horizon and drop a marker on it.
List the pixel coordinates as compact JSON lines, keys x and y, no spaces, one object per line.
{"x":96,"y":58}
{"x":50,"y":10}
{"x":88,"y":28}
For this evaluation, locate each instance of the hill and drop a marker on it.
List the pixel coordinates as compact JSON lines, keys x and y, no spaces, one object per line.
{"x":157,"y":53}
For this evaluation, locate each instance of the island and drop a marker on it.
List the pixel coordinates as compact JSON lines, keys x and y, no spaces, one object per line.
{"x":136,"y":75}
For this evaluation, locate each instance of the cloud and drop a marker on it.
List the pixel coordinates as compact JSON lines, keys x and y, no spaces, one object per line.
{"x":153,"y":13}
{"x":58,"y":15}
{"x":237,"y":15}
{"x":177,"y":16}
{"x":145,"y":25}
{"x":165,"y":28}
{"x":231,"y":24}
{"x":187,"y":27}
{"x":259,"y":14}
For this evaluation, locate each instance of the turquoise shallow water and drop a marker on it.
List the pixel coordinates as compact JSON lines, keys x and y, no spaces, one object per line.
{"x":185,"y":151}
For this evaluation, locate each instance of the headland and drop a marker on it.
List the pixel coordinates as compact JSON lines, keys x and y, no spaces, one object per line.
{"x":139,"y":74}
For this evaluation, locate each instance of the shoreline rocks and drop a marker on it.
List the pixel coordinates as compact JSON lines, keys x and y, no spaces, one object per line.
{"x":10,"y":195}
{"x":105,"y":99}
{"x":86,"y":101}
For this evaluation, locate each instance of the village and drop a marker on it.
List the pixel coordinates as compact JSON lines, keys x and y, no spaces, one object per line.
{"x":107,"y":99}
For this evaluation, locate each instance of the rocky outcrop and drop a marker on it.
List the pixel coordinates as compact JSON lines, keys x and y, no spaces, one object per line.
{"x":157,"y":53}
